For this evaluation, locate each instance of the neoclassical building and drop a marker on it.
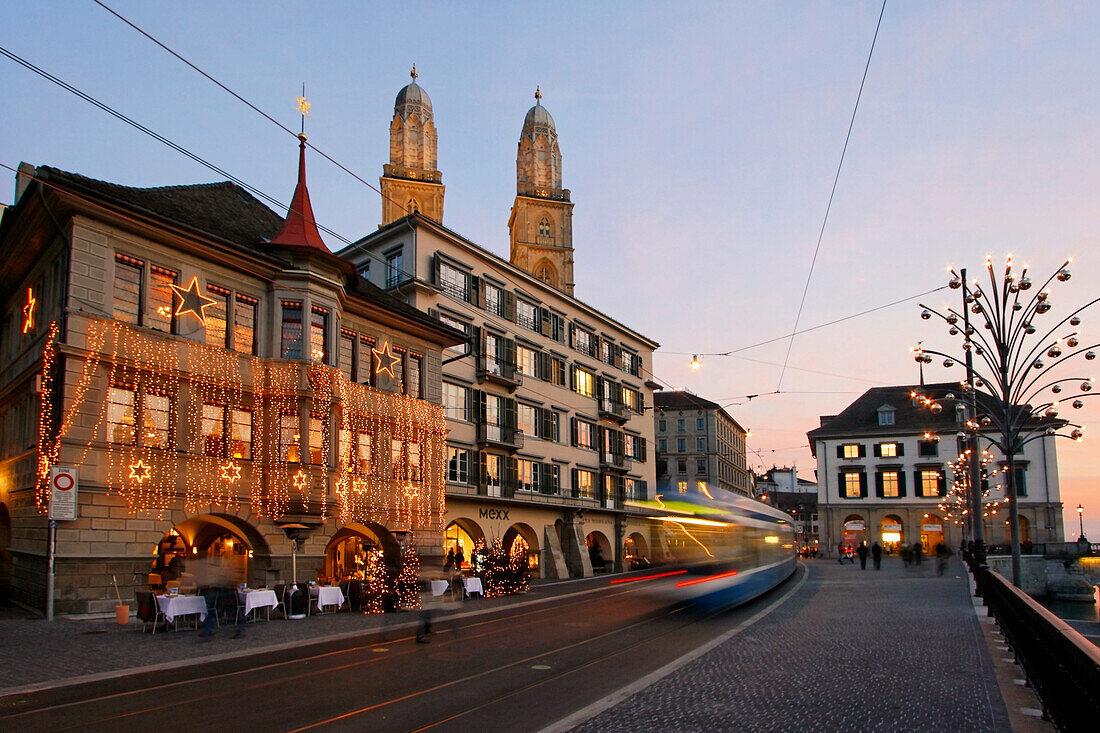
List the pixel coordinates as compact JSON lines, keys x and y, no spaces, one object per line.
{"x":883,"y":473}
{"x":549,"y":444}
{"x":215,"y":380}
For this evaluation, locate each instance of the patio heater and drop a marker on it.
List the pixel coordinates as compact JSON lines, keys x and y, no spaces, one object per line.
{"x":293,"y":532}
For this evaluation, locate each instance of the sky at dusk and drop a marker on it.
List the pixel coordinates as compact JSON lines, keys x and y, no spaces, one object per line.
{"x":700,"y":142}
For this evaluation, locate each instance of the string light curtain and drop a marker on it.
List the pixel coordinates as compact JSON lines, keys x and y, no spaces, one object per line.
{"x":243,"y":438}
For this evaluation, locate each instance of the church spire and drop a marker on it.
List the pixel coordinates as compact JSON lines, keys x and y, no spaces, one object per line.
{"x":300,"y":229}
{"x":410,"y":181}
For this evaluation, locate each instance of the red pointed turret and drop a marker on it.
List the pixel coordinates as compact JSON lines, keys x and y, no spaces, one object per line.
{"x":300,"y":229}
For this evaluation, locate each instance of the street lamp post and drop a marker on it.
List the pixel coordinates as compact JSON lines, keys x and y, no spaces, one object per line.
{"x":1010,"y":375}
{"x":1081,"y":522}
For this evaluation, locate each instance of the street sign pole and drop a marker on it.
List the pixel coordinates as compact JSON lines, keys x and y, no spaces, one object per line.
{"x":49,"y":572}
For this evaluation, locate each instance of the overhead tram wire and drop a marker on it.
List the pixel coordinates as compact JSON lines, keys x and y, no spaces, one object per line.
{"x":832,"y":194}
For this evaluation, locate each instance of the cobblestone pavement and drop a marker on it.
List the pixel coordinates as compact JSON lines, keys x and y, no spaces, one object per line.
{"x":898,"y":649}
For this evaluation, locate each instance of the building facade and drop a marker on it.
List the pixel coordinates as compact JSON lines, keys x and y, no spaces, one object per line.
{"x":783,"y":489}
{"x":884,"y":475}
{"x":548,"y":442}
{"x":700,"y":447}
{"x":216,"y":381}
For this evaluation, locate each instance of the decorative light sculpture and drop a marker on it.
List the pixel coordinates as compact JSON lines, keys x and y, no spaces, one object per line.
{"x":1008,"y":381}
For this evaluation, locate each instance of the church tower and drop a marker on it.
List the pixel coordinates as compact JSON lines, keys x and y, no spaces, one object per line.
{"x":541,"y":224}
{"x":410,"y":181}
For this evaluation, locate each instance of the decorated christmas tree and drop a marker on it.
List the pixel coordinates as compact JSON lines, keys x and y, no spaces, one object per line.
{"x":375,"y":582}
{"x":408,"y":580}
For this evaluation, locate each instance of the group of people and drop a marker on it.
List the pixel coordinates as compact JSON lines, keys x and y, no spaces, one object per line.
{"x":910,"y":555}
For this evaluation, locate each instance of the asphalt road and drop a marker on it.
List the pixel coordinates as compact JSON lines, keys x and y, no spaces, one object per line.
{"x":520,"y":670}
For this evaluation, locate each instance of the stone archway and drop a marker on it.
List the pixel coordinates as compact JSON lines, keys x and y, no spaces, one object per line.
{"x":525,"y":534}
{"x":854,"y":530}
{"x":600,"y":551}
{"x":635,"y":551}
{"x":346,"y":552}
{"x":215,"y":545}
{"x":931,"y":533}
{"x":891,"y":533}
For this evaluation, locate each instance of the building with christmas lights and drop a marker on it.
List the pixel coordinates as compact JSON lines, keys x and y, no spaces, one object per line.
{"x":700,"y":447}
{"x":886,"y":472}
{"x":548,"y":443}
{"x":208,"y":380}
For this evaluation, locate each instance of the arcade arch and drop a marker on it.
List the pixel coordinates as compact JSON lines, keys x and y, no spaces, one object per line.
{"x":854,"y":529}
{"x":931,"y":533}
{"x":346,"y":552}
{"x":892,"y":533}
{"x":528,"y":541}
{"x":599,"y":551}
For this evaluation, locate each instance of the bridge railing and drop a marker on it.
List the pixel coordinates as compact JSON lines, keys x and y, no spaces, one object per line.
{"x":1061,"y":665}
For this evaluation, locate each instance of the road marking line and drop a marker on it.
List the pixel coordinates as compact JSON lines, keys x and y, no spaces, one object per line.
{"x":591,"y":711}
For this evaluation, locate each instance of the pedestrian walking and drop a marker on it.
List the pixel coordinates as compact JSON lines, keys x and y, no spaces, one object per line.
{"x":450,"y":560}
{"x":840,"y":553}
{"x":917,"y":550}
{"x":876,"y":555}
{"x":862,"y":552}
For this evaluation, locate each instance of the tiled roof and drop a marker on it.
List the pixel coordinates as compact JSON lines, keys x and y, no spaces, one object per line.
{"x":680,"y":400}
{"x":223,"y":210}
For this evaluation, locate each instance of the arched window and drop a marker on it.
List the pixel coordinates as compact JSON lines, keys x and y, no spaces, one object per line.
{"x":544,"y":227}
{"x":412,"y":206}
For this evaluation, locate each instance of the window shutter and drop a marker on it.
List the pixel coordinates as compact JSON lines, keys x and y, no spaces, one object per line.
{"x":572,"y":336}
{"x":433,"y":313}
{"x":508,"y":484}
{"x":573,"y":483}
{"x":840,"y":452}
{"x":943,"y":484}
{"x":547,"y":484}
{"x":843,"y":492}
{"x":436,"y":278}
{"x":878,"y":485}
{"x":642,"y":449}
{"x":475,"y":290}
{"x":545,"y":323}
{"x":918,"y":486}
{"x":862,"y":450}
{"x":878,"y":450}
{"x":509,"y":352}
{"x":616,"y":355}
{"x":601,"y":387}
{"x":901,"y":449}
{"x":547,"y":420}
{"x":479,"y":399}
{"x":546,"y":368}
{"x":640,"y":397}
{"x":482,"y":472}
{"x":509,"y":412}
{"x":573,"y":379}
{"x":475,"y":341}
{"x":901,"y":483}
{"x":572,"y":431}
{"x":863,"y":485}
{"x":559,"y":372}
{"x":510,"y":305}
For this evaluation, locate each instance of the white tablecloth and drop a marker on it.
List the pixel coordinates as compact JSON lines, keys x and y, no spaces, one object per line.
{"x":472,"y":585}
{"x":327,"y":595}
{"x":259,"y":598}
{"x":172,"y":606}
{"x":439,"y":587}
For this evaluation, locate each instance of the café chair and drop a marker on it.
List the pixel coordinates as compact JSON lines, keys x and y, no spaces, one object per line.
{"x":148,"y":612}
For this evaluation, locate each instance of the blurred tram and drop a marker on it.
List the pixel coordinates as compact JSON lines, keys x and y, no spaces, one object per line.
{"x":715,"y":553}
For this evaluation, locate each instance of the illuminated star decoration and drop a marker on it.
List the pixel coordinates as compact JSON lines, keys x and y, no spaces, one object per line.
{"x":192,"y":301}
{"x":301,"y":481}
{"x":231,"y":472}
{"x":28,"y":312}
{"x":139,"y":471}
{"x":303,"y":106}
{"x":391,"y":360}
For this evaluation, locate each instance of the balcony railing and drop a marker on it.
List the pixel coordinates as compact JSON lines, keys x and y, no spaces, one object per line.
{"x":494,"y":369}
{"x":613,"y":410}
{"x":500,"y":435}
{"x":615,"y":461}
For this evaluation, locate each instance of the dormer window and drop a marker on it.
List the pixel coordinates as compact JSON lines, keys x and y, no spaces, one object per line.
{"x":886,"y":415}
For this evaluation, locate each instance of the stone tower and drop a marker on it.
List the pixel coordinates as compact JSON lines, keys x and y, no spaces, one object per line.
{"x":410,"y":181}
{"x":541,"y":224}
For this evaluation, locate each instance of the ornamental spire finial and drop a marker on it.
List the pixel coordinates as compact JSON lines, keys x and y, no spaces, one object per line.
{"x":413,"y":73}
{"x":538,"y":94}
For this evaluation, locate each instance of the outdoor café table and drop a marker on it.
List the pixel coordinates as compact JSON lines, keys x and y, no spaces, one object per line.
{"x":258,"y":598}
{"x":472,"y":585}
{"x":327,"y":595}
{"x":173,"y":606}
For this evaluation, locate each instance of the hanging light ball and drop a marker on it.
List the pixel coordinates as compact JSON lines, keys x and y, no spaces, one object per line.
{"x":1072,"y":342}
{"x":1050,"y":412}
{"x":1042,"y":295}
{"x":1028,"y":328}
{"x":1075,"y":321}
{"x":1078,"y":404}
{"x":1042,"y":307}
{"x":964,"y":386}
{"x":926,"y":314}
{"x":1054,"y":352}
{"x":1013,"y":288}
{"x":1025,"y":283}
{"x":977,"y":292}
{"x":1017,"y":306}
{"x":979,"y":350}
{"x":954,"y":331}
{"x":936,"y":408}
{"x":988,"y":326}
{"x":960,"y":435}
{"x":954,"y":283}
{"x":949,"y":396}
{"x":1086,"y":386}
{"x":1056,"y":389}
{"x":979,"y":383}
{"x":1078,"y":434}
{"x":985,"y":421}
{"x":1063,"y":275}
{"x":948,"y":363}
{"x":1090,"y":355}
{"x":1037,"y":364}
{"x":952,"y":319}
{"x":976,"y":308}
{"x":1051,"y":431}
